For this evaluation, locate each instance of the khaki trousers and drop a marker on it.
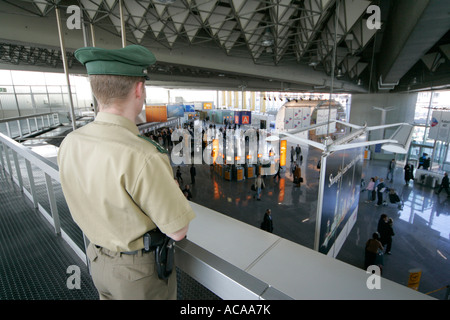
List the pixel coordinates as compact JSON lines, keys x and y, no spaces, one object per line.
{"x":118,"y":276}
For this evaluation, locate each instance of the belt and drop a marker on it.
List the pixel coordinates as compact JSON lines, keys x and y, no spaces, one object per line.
{"x":137,"y":251}
{"x":132,"y":252}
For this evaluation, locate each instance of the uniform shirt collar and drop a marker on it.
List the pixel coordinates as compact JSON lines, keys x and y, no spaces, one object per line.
{"x":117,"y":120}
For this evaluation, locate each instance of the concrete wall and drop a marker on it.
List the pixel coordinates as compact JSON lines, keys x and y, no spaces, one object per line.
{"x":362,"y":111}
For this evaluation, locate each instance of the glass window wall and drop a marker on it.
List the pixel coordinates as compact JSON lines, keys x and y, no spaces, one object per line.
{"x":438,"y":151}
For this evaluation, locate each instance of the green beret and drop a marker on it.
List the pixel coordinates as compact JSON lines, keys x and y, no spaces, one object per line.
{"x":132,"y":60}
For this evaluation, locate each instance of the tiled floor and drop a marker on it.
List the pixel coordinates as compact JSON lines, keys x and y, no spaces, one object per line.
{"x":422,"y":228}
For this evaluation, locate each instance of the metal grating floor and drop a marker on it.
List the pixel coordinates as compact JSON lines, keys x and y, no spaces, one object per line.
{"x":34,"y":260}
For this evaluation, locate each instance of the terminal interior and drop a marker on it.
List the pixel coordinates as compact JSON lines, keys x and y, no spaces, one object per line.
{"x":241,"y":66}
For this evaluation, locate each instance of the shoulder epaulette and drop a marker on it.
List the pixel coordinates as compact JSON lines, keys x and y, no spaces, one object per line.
{"x":157,"y":145}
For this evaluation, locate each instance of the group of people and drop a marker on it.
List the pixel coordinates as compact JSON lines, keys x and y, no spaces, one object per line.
{"x":376,"y":188}
{"x":162,"y":136}
{"x":180,"y":182}
{"x":380,"y":243}
{"x":296,"y":161}
{"x":408,"y":169}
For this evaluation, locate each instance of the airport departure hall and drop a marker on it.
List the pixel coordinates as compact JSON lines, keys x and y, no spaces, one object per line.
{"x":310,"y":138}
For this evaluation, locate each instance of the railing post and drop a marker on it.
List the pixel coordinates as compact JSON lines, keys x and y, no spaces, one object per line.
{"x":2,"y":147}
{"x":52,"y":201}
{"x":32,"y":185}
{"x":8,"y":163}
{"x":20,"y":128}
{"x":29,"y":126}
{"x":19,"y":174}
{"x":8,"y":129}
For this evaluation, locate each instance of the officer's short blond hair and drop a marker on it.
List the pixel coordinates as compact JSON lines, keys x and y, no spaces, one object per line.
{"x":107,"y":88}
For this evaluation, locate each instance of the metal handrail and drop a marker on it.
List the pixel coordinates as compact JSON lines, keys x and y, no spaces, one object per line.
{"x":50,"y":170}
{"x":226,"y":281}
{"x":54,"y":115}
{"x":26,"y":117}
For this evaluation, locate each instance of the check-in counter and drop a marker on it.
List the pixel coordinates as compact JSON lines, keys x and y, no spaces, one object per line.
{"x":250,"y":171}
{"x":239,"y":173}
{"x":428,"y":178}
{"x":227,"y":174}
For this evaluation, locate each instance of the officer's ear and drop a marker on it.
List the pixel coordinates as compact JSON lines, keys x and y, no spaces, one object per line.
{"x":139,"y":89}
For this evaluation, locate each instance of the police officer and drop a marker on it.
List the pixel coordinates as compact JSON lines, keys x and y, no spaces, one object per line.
{"x":118,"y":185}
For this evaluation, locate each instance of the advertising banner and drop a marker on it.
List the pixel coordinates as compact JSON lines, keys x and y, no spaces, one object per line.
{"x":283,"y":152}
{"x":207,"y":106}
{"x":322,"y":116}
{"x":156,"y":113}
{"x":175,"y":111}
{"x":189,"y":108}
{"x":243,"y":117}
{"x":341,"y":179}
{"x":440,"y":126}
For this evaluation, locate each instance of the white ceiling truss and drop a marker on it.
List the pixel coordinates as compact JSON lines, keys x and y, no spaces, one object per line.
{"x":301,"y":38}
{"x":269,"y":30}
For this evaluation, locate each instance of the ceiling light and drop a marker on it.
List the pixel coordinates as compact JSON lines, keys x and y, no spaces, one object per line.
{"x":266,"y":42}
{"x":267,"y":39}
{"x":313,"y":62}
{"x":339,"y":74}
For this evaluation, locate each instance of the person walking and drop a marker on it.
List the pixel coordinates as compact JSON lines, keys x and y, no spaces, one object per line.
{"x":297,"y":176}
{"x":422,"y":160}
{"x":259,"y":185}
{"x":444,"y":185}
{"x":383,"y":229}
{"x":380,"y":190}
{"x":389,"y":234}
{"x":372,"y":249}
{"x":178,"y":175}
{"x":298,"y":152}
{"x":193,"y":174}
{"x":267,"y":224}
{"x":391,"y":168}
{"x":409,"y":173}
{"x":370,"y":189}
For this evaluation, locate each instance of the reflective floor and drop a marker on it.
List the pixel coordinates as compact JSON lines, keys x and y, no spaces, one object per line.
{"x":422,"y":228}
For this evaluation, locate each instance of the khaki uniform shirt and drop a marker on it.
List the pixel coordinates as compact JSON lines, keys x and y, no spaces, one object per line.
{"x":118,"y":186}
